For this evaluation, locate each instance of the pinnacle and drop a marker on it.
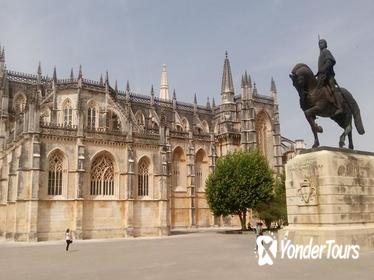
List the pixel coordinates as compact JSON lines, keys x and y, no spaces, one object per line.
{"x":128,"y":86}
{"x":227,"y":84}
{"x":39,"y":68}
{"x":80,"y":72}
{"x":54,"y":74}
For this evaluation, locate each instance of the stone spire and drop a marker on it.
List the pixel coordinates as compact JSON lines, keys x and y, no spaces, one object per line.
{"x":107,"y":77}
{"x":2,"y":54}
{"x":54,"y":75}
{"x":128,"y":86}
{"x":164,"y":86}
{"x":195,"y":104}
{"x":152,"y":101}
{"x":213,"y":103}
{"x":115,"y":87}
{"x":101,"y":79}
{"x":227,"y":88}
{"x":273,"y":90}
{"x":248,"y":78}
{"x":174,"y":100}
{"x":272,"y":86}
{"x":127,"y":92}
{"x":208,"y":103}
{"x":254,"y":88}
{"x":39,"y":76}
{"x":2,"y":59}
{"x":39,"y":68}
{"x":80,"y":75}
{"x":71,"y":74}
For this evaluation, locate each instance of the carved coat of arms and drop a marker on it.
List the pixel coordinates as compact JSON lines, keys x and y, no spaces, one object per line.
{"x":307,"y":191}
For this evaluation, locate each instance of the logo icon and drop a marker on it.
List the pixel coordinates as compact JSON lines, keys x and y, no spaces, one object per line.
{"x":267,"y":249}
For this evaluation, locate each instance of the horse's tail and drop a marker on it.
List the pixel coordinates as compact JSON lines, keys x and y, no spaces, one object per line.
{"x":353,"y":106}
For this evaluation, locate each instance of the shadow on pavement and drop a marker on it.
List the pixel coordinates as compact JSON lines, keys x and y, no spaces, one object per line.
{"x":181,"y":232}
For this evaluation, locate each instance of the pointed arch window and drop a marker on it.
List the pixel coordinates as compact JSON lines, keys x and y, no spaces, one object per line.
{"x":68,"y":113}
{"x":102,"y":176}
{"x":176,"y":172}
{"x":91,"y":116}
{"x":262,"y":130}
{"x":143,"y":178}
{"x":179,"y":169}
{"x":55,"y":169}
{"x":201,"y":169}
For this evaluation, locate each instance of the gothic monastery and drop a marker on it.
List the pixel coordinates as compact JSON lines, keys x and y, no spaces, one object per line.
{"x":81,"y":154}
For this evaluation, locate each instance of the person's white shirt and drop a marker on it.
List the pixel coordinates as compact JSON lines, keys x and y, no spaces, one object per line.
{"x":68,"y":236}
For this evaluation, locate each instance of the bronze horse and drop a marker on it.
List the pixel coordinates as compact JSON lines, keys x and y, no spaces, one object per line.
{"x":315,"y":102}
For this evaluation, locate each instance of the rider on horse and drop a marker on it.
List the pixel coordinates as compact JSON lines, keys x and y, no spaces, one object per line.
{"x":326,"y":75}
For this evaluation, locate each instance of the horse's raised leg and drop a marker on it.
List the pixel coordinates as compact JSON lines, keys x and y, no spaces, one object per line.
{"x":310,"y":116}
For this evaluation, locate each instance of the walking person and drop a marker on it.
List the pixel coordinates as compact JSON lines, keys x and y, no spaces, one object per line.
{"x":259,"y":231}
{"x":68,"y":238}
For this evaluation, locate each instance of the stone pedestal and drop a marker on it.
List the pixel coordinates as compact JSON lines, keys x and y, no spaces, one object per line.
{"x":330,"y":195}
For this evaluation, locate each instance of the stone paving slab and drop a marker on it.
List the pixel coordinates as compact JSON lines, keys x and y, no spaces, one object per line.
{"x":196,"y":255}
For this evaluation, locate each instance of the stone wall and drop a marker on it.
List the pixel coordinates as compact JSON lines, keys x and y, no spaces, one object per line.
{"x":54,"y":217}
{"x":103,"y":219}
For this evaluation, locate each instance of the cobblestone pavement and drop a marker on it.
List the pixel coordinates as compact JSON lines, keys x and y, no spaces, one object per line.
{"x":198,"y":255}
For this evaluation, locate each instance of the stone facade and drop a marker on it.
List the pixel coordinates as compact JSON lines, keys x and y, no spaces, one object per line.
{"x":81,"y":154}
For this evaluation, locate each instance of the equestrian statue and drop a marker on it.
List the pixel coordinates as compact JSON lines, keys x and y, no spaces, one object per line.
{"x":320,"y":95}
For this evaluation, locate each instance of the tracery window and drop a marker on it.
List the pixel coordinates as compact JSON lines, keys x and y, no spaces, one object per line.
{"x":179,"y":168}
{"x":68,"y":113}
{"x":102,"y":176}
{"x":55,"y":170}
{"x":143,"y":178}
{"x":91,"y":116}
{"x":198,"y":176}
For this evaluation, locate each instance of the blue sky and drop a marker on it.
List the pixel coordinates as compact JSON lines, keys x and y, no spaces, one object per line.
{"x":132,"y":39}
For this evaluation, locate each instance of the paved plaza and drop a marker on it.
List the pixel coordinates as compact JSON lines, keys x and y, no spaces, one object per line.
{"x":197,"y":255}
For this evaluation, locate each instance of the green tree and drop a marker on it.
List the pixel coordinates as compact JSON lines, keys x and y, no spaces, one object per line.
{"x":240,"y":181}
{"x":275,"y":210}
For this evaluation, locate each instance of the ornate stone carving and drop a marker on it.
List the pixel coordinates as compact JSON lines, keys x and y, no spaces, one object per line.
{"x":307,"y":191}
